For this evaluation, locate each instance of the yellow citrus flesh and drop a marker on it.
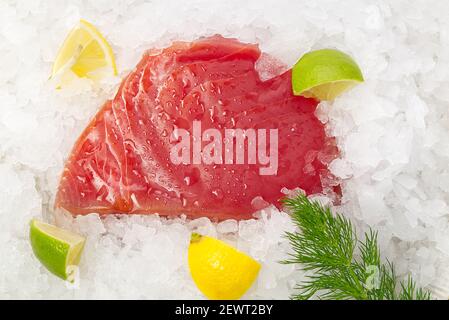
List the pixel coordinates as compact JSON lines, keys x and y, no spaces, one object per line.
{"x":85,"y":53}
{"x":329,"y":91}
{"x":220,"y":271}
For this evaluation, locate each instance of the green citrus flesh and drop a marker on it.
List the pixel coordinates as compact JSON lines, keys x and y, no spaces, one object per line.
{"x":325,"y":74}
{"x":57,"y":249}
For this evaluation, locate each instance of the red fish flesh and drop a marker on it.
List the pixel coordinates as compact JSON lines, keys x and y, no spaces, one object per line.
{"x":121,"y":163}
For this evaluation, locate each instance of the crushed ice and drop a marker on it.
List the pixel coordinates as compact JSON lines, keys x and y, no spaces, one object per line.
{"x":393,"y":132}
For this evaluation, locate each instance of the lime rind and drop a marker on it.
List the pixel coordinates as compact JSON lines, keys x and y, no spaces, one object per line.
{"x":322,"y":70}
{"x":57,"y":249}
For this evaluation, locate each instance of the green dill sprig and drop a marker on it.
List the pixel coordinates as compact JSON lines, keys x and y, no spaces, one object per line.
{"x":327,"y":245}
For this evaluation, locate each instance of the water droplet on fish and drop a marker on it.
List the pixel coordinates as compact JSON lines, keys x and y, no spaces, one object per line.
{"x":81,"y":179}
{"x":185,"y":82}
{"x":130,"y":143}
{"x":184,"y":201}
{"x":218,"y":193}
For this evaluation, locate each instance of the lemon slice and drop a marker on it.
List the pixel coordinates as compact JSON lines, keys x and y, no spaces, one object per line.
{"x":57,"y":249}
{"x":84,"y":53}
{"x":220,"y":271}
{"x":325,"y":74}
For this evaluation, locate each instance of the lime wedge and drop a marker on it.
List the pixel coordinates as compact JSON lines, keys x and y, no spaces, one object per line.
{"x":325,"y":74}
{"x":57,"y":249}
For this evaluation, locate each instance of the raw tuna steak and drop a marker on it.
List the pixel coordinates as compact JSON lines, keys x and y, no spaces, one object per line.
{"x":123,"y":161}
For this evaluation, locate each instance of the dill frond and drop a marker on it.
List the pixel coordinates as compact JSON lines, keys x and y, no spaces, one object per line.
{"x":327,"y":245}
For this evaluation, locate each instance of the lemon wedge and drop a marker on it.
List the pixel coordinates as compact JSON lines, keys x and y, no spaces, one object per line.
{"x":85,"y":53}
{"x":220,"y":271}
